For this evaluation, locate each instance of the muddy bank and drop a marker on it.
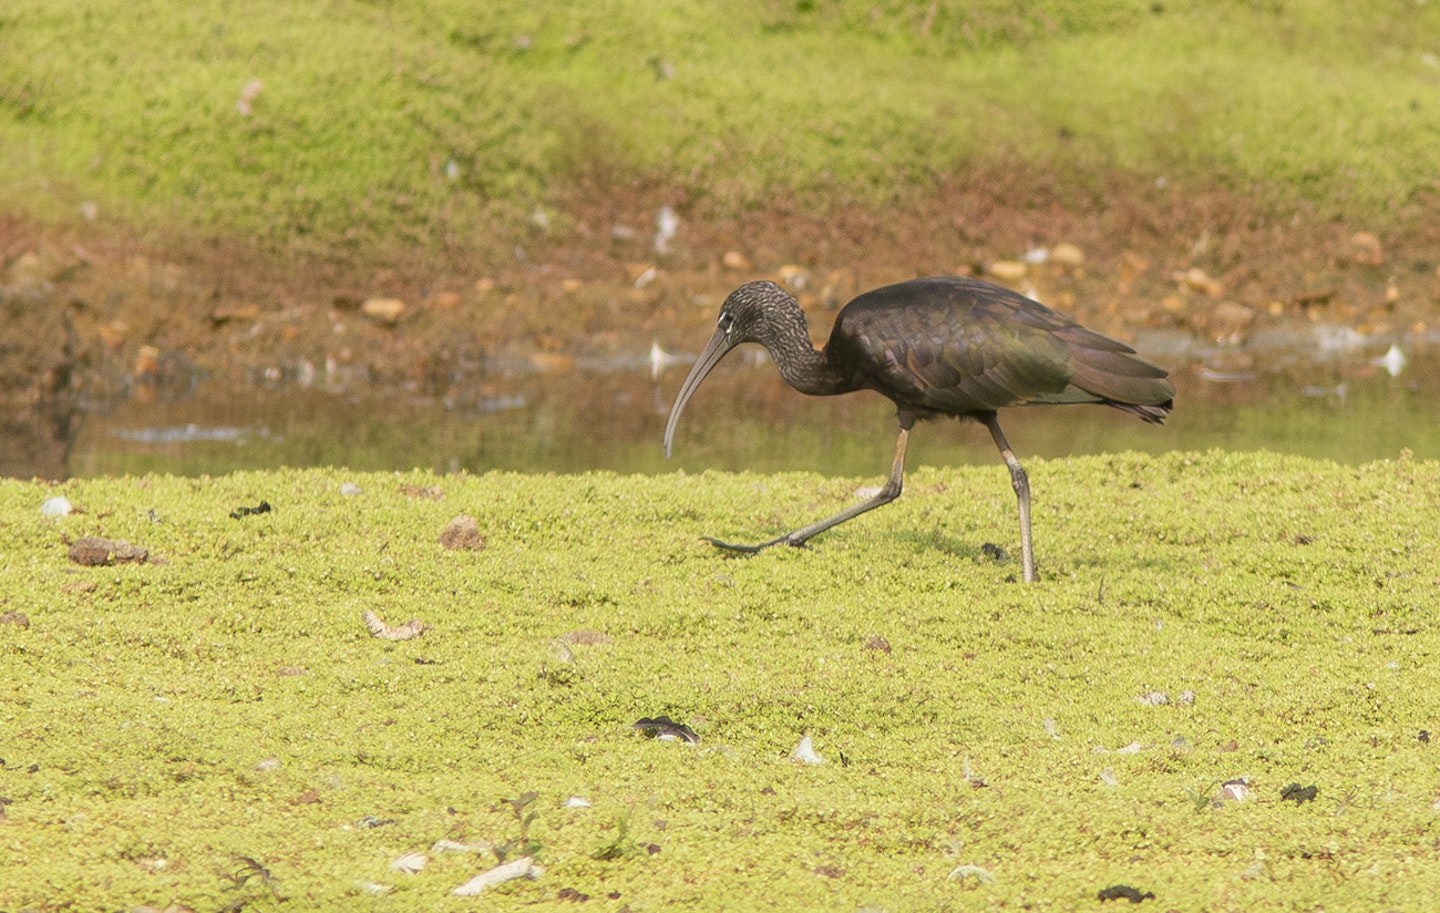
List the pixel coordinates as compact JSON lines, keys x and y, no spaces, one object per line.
{"x":94,"y":318}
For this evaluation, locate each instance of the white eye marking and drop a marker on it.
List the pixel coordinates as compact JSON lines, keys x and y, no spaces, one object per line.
{"x":726,"y":322}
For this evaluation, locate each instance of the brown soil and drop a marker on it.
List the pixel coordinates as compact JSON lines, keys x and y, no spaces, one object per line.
{"x":91,"y":316}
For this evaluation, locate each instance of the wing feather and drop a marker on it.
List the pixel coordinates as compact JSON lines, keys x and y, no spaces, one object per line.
{"x":962,"y":346}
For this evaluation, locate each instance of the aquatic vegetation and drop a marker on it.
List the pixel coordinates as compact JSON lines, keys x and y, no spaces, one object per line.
{"x":219,"y":727}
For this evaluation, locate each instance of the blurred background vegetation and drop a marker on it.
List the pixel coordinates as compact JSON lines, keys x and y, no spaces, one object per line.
{"x":365,"y":125}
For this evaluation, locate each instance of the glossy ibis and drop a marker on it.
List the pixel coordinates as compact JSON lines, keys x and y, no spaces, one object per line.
{"x":935,"y":347}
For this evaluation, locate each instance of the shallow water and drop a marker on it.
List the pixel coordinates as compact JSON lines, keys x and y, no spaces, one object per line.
{"x":1340,"y":403}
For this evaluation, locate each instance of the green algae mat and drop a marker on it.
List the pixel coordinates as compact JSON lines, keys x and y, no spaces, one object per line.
{"x":1219,"y":696}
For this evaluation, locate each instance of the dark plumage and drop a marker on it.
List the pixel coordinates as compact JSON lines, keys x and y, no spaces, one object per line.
{"x":934,"y":347}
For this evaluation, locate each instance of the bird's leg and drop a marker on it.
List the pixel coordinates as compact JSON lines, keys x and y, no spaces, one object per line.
{"x":890,"y":492}
{"x":1021,"y":484}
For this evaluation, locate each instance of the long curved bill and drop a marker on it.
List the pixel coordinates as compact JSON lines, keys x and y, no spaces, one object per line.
{"x":715,"y":350}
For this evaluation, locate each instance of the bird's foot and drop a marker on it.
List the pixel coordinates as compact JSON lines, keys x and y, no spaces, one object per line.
{"x":754,"y":549}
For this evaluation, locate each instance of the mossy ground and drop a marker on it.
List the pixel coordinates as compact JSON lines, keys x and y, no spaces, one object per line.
{"x":162,"y":721}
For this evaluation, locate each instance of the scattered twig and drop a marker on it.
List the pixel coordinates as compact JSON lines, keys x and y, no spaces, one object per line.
{"x":262,"y":508}
{"x":523,"y":867}
{"x":378,"y":628}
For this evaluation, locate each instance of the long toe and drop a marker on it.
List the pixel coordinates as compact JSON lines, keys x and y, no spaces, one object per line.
{"x":738,"y":549}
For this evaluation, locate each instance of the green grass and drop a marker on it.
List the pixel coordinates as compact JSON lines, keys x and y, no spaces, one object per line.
{"x":162,"y":721}
{"x":365,"y":107}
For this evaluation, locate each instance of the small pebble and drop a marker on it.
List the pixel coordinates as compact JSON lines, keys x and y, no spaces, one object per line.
{"x":462,"y":534}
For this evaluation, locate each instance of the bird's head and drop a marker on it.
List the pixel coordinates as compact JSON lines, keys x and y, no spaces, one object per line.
{"x":744,"y":317}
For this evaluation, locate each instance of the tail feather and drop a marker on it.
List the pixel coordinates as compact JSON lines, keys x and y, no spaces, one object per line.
{"x":1123,"y":381}
{"x":1154,"y":414}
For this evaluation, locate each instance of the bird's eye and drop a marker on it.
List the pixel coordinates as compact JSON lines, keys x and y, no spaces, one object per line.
{"x":726,"y":322}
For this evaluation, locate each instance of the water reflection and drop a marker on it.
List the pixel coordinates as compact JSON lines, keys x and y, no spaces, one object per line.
{"x":575,"y":417}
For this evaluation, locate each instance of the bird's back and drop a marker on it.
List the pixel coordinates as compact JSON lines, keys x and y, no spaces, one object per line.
{"x":962,"y":346}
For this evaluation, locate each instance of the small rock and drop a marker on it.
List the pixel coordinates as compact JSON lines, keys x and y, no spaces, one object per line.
{"x":1175,"y":305}
{"x":384,"y":310}
{"x":1008,"y":270}
{"x":27,"y":270}
{"x":93,"y":551}
{"x":1154,"y":698}
{"x":57,"y":506}
{"x":735,"y":260}
{"x":797,"y":277}
{"x":114,"y":334}
{"x":876,"y":642}
{"x":1067,"y":254}
{"x":1365,"y":249}
{"x":18,"y":619}
{"x":1198,"y":280}
{"x":1230,"y":321}
{"x":463,"y":532}
{"x":1234,"y":791}
{"x":225,"y":313}
{"x":552,"y":362}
